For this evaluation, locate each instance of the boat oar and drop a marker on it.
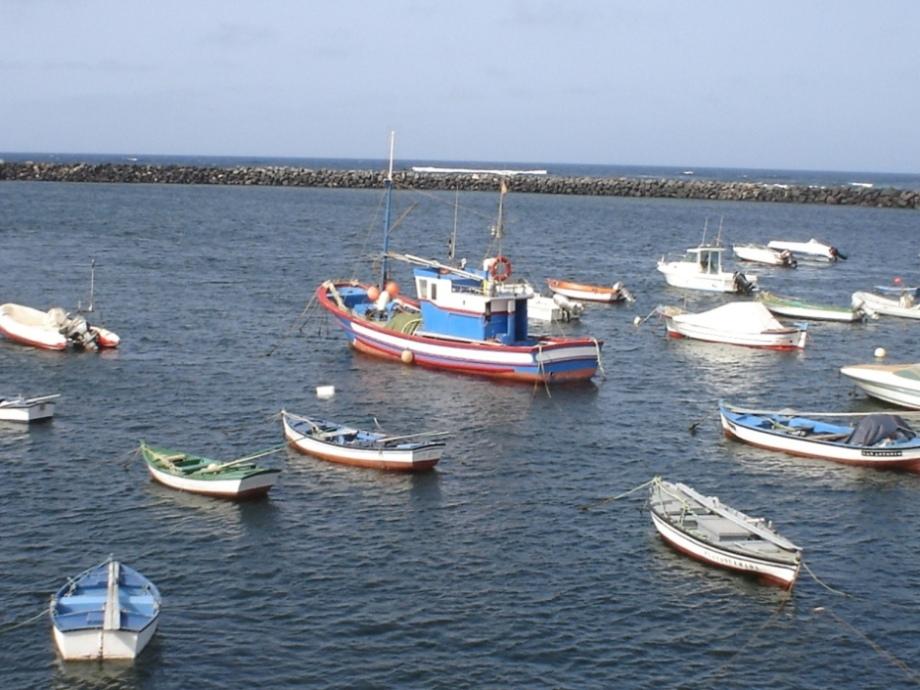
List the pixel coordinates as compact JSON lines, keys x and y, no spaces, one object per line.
{"x":389,"y":439}
{"x":225,"y":465}
{"x":638,"y":322}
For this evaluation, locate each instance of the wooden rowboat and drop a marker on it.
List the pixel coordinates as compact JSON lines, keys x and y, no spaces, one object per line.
{"x":590,"y":293}
{"x":346,"y":445}
{"x":882,"y":441}
{"x":109,"y":611}
{"x":703,"y":528}
{"x":22,"y":409}
{"x":788,"y":306}
{"x":53,"y":329}
{"x":236,"y":479}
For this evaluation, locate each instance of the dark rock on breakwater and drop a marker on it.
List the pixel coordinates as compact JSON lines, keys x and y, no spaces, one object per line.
{"x":537,"y":184}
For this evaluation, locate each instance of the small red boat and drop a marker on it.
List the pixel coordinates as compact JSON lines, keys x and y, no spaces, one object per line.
{"x":590,"y":293}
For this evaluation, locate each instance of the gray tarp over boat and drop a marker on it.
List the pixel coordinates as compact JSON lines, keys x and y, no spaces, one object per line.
{"x":874,"y":428}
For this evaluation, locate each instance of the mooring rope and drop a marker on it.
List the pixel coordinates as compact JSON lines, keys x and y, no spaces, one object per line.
{"x":609,"y":499}
{"x":297,"y":325}
{"x":14,"y":625}
{"x":826,"y":586}
{"x":881,"y":651}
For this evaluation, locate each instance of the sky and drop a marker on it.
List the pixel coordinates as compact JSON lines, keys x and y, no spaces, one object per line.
{"x":787,"y":84}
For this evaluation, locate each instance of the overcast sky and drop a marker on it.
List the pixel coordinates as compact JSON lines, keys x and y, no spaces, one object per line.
{"x":792,"y":84}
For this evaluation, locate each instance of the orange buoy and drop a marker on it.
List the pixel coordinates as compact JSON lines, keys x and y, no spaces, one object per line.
{"x":392,"y":288}
{"x":373,"y":292}
{"x":407,"y":357}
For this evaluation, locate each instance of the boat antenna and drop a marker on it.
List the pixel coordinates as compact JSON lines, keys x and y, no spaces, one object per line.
{"x":498,"y":231}
{"x":92,"y":288}
{"x":719,"y":236}
{"x":705,"y":227}
{"x":388,"y":186}
{"x":452,"y":241}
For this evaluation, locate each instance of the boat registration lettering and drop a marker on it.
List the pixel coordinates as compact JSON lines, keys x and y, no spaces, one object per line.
{"x":882,"y":453}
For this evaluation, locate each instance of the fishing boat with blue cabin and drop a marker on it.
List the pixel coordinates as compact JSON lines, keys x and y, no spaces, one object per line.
{"x":109,"y":611}
{"x":465,"y":320}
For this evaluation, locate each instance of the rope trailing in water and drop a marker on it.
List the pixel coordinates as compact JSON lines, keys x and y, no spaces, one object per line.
{"x":609,"y":499}
{"x":881,"y":651}
{"x":719,"y":671}
{"x":14,"y":625}
{"x":827,"y":587}
{"x":600,"y":361}
{"x":296,"y":326}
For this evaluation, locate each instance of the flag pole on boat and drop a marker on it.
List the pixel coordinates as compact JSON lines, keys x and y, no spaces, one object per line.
{"x":388,"y":186}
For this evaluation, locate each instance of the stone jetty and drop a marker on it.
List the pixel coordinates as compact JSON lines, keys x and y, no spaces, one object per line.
{"x":283,"y":176}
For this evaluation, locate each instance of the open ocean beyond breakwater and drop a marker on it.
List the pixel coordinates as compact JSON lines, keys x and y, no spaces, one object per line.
{"x":484,"y":572}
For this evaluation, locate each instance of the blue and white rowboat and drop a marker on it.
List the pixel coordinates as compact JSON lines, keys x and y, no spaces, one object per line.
{"x":107,"y":612}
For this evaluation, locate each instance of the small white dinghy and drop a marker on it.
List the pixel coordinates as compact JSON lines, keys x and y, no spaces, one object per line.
{"x":703,"y":528}
{"x":904,"y":306}
{"x":557,"y":308}
{"x":53,"y":329}
{"x":812,"y":248}
{"x":109,"y":611}
{"x":758,"y":253}
{"x":738,"y":323}
{"x":22,"y":409}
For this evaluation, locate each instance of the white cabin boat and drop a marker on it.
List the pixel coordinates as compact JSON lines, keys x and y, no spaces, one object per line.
{"x":737,"y":323}
{"x":705,"y":529}
{"x":701,"y":269}
{"x":898,"y":384}
{"x":904,"y":306}
{"x":813,"y":248}
{"x":22,"y":409}
{"x":758,"y":253}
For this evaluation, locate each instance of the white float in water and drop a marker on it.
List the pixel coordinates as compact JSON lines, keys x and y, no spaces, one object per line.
{"x":880,"y":352}
{"x":325,"y":392}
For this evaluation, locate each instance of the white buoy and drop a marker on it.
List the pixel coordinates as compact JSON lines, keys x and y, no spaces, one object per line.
{"x":880,"y":352}
{"x":325,"y":392}
{"x":637,"y":321}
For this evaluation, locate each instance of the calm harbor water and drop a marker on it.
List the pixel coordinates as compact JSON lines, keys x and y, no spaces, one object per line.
{"x":485,"y":572}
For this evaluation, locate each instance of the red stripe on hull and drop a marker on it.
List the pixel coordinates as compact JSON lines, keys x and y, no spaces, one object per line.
{"x":762,"y":577}
{"x":505,"y":374}
{"x":417,"y":466}
{"x":901,"y":465}
{"x":675,"y":334}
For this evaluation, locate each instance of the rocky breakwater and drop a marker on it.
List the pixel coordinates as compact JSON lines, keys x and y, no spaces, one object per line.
{"x":537,"y":184}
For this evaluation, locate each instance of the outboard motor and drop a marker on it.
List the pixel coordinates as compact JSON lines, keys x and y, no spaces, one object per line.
{"x":78,"y":332}
{"x":788,"y":259}
{"x":742,"y":284}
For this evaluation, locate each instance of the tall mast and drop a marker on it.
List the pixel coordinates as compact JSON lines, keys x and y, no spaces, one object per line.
{"x":388,"y":186}
{"x":499,"y":231}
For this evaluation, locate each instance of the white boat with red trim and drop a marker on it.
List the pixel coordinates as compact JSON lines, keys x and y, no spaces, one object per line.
{"x":591,"y":293}
{"x":53,"y":329}
{"x":736,"y":323}
{"x":707,"y":530}
{"x":898,"y":384}
{"x":812,"y":249}
{"x":22,"y":409}
{"x":346,"y":445}
{"x":470,"y":321}
{"x":758,"y":253}
{"x":882,"y":441}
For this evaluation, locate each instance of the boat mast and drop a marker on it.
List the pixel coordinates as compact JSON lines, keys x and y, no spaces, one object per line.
{"x":498,"y":232}
{"x":388,"y":186}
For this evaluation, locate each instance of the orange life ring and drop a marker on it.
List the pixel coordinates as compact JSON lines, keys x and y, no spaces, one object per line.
{"x":500,"y":269}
